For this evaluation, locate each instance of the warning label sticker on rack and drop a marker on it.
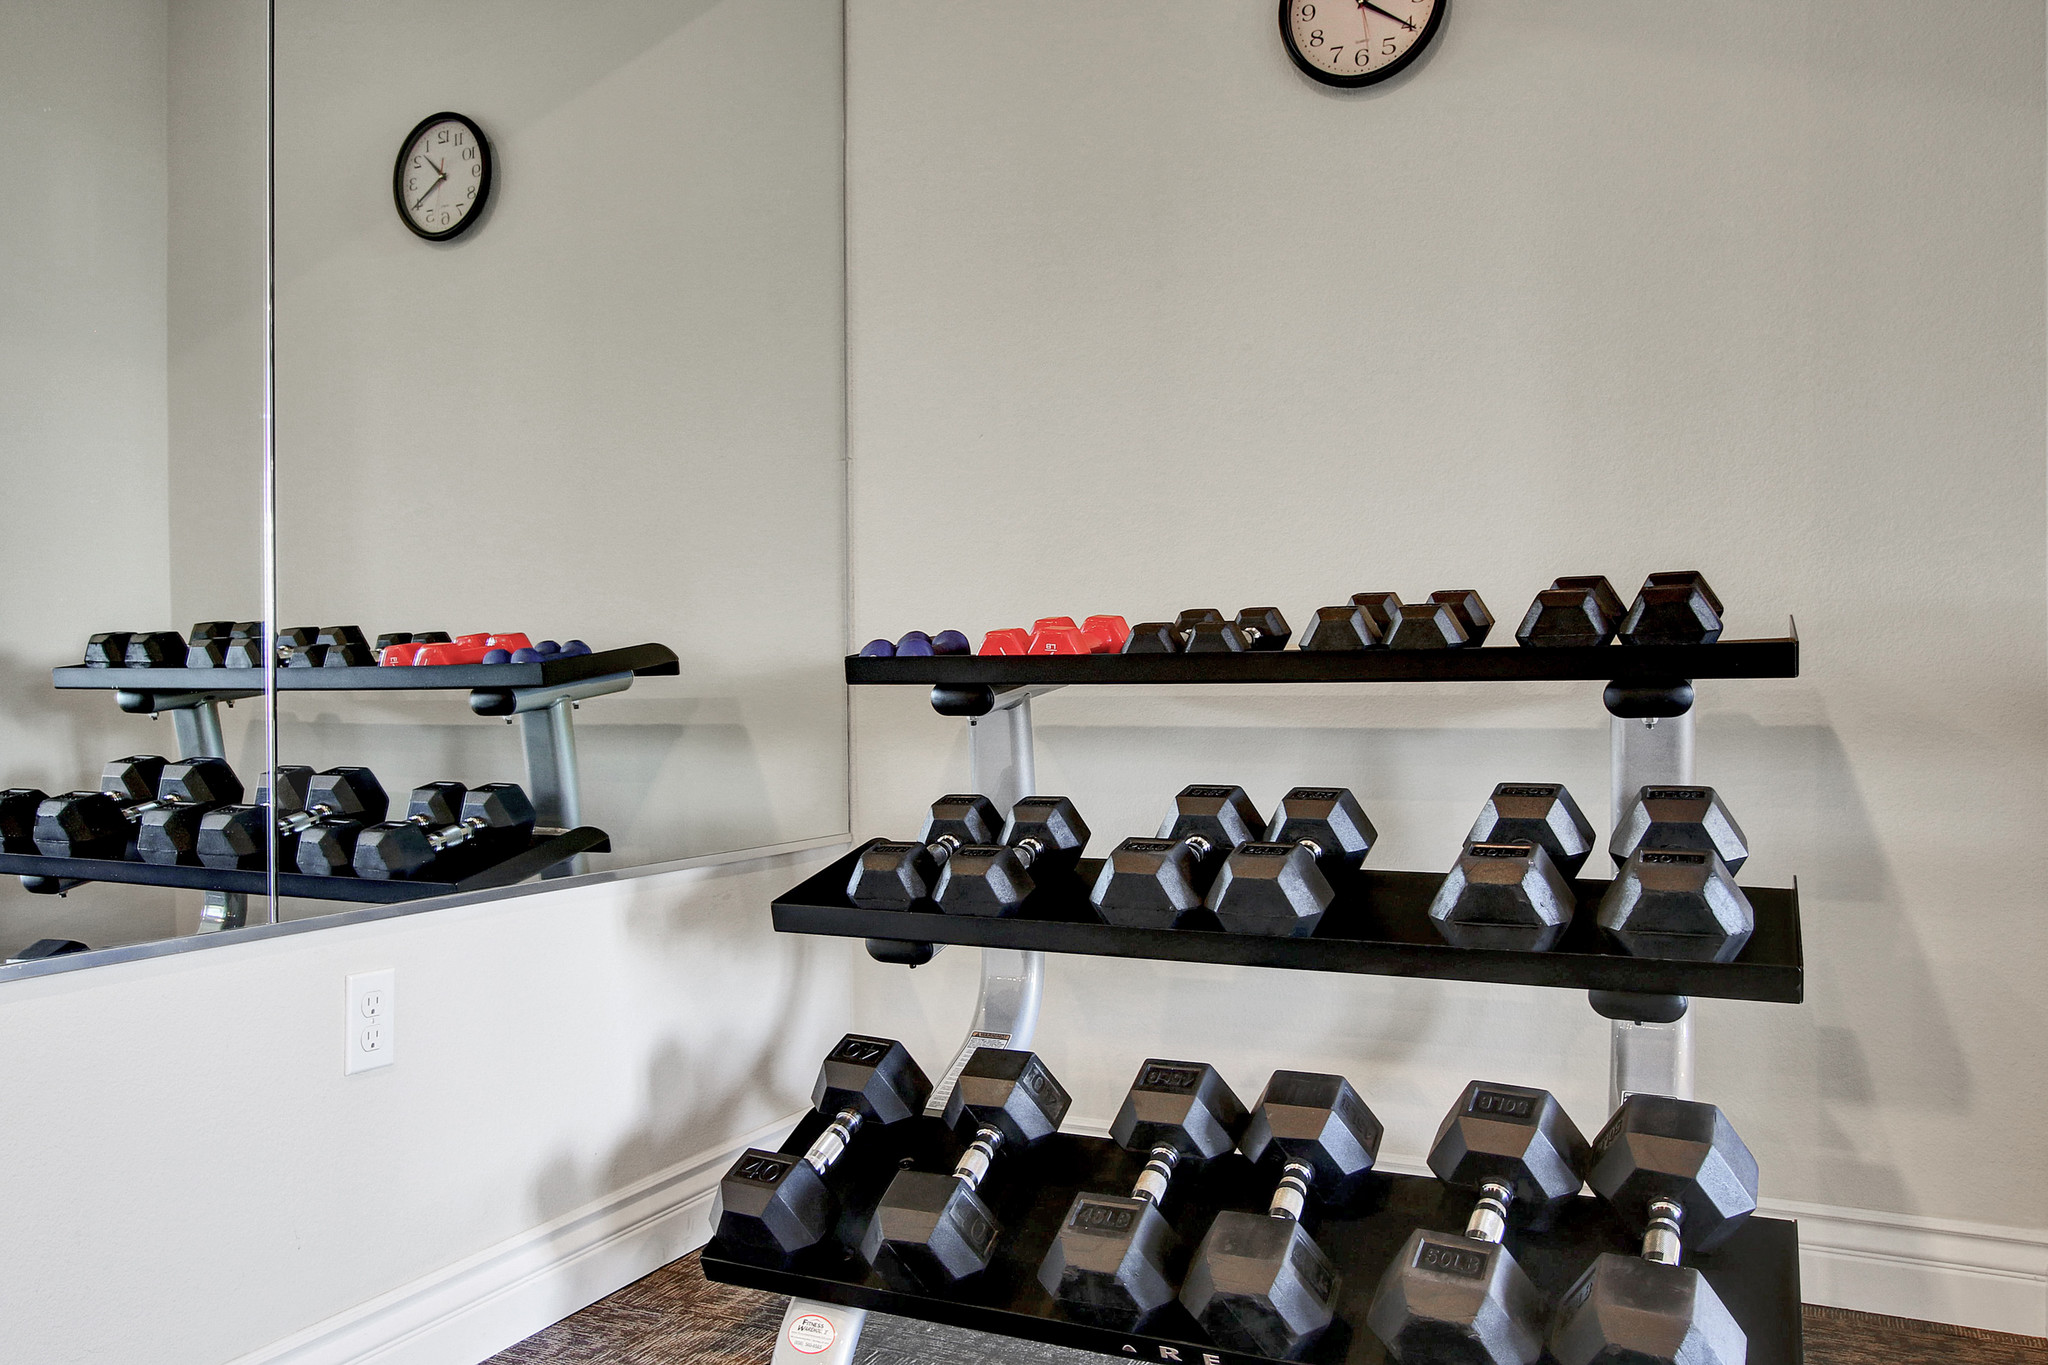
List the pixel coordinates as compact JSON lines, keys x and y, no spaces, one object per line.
{"x":943,"y":1091}
{"x":811,"y":1334}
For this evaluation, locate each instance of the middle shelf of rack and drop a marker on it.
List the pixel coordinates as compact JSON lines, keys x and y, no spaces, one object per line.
{"x":1378,"y":925}
{"x":1755,"y":1273}
{"x":544,"y":849}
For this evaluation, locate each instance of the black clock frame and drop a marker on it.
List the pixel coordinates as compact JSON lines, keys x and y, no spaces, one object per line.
{"x":1387,"y":72}
{"x":483,"y":189}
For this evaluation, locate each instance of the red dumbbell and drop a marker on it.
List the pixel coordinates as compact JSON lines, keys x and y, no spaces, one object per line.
{"x":463,"y":649}
{"x":1096,"y":635}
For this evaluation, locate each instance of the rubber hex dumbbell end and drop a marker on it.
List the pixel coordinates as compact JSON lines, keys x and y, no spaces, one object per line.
{"x":1538,"y":813}
{"x":893,"y":875}
{"x":1340,"y":629}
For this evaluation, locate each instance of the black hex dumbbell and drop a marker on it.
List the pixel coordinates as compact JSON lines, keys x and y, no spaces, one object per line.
{"x":778,"y":1204}
{"x":1677,"y":1171}
{"x":1679,"y":818}
{"x":1673,"y":609}
{"x":1154,"y":883}
{"x":1044,"y":836}
{"x":1675,"y":895}
{"x":1455,"y":618}
{"x":1340,"y":630}
{"x":930,"y":1231}
{"x":894,"y":876}
{"x":156,"y":649}
{"x":1282,"y":885}
{"x":496,"y":816}
{"x":139,"y":794}
{"x":1458,"y":1299}
{"x":1578,"y":612}
{"x":18,"y":807}
{"x":1111,"y":1258}
{"x":1259,"y":1283}
{"x":1205,"y":630}
{"x":340,"y":803}
{"x":1511,"y":886}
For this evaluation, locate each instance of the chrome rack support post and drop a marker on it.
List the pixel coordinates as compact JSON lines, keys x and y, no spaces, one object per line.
{"x":547,"y":734}
{"x":1650,"y":734}
{"x":195,"y":716}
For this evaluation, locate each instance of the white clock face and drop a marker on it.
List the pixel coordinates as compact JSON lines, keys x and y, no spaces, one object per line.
{"x":444,"y":177}
{"x":1357,"y":41}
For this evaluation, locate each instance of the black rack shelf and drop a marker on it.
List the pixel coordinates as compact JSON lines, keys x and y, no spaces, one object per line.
{"x":543,"y":851}
{"x":1378,"y":925}
{"x":1648,"y":664}
{"x":1756,"y":1273}
{"x":648,"y":661}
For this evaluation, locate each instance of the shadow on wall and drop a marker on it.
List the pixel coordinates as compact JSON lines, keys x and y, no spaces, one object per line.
{"x":747,"y":1058}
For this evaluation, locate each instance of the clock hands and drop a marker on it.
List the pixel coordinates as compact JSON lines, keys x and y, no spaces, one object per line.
{"x":431,"y":188}
{"x":1367,"y":4}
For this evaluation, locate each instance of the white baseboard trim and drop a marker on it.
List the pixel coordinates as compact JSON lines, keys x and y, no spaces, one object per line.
{"x":1935,"y":1269}
{"x":477,"y":1307}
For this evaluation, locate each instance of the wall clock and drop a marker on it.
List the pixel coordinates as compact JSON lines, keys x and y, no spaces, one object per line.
{"x":443,"y":176}
{"x":1358,"y":42}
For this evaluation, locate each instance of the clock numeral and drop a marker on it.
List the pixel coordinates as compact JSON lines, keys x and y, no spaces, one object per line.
{"x":1337,"y":53}
{"x":1388,"y":47}
{"x":472,"y":192}
{"x":1315,"y":39}
{"x":1363,"y":55}
{"x":1308,"y":12}
{"x":442,"y":136}
{"x":476,"y":171}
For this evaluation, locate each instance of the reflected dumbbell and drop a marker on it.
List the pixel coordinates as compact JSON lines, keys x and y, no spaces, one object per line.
{"x":171,"y":797}
{"x":493,"y":818}
{"x":326,"y":810}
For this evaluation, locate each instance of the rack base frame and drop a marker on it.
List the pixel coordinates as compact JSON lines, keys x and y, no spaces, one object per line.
{"x":1756,"y":1273}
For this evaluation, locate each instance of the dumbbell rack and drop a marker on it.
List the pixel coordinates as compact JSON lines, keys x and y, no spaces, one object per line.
{"x":1649,"y":695}
{"x":542,"y":695}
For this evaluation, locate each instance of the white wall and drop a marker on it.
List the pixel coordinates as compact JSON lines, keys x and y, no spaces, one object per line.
{"x":1143,"y":319}
{"x":189,"y":1177}
{"x":613,"y":410}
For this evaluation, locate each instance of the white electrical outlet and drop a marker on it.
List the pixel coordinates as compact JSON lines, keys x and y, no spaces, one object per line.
{"x":372,"y":1021}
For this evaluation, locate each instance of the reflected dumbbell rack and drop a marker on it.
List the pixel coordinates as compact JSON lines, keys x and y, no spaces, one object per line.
{"x":542,"y":695}
{"x":1648,"y":694}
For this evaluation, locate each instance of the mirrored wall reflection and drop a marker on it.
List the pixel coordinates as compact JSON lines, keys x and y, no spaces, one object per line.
{"x":560,"y":366}
{"x":132,"y":278}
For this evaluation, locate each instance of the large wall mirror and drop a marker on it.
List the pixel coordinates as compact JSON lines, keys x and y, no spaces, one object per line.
{"x":132,"y":285}
{"x":561,"y":370}
{"x":557,"y":458}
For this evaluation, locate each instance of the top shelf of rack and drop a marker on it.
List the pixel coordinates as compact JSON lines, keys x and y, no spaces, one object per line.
{"x":1650,"y":664}
{"x":644,"y":660}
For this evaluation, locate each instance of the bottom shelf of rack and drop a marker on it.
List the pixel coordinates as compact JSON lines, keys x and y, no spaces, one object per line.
{"x":1756,"y":1272}
{"x":543,"y":851}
